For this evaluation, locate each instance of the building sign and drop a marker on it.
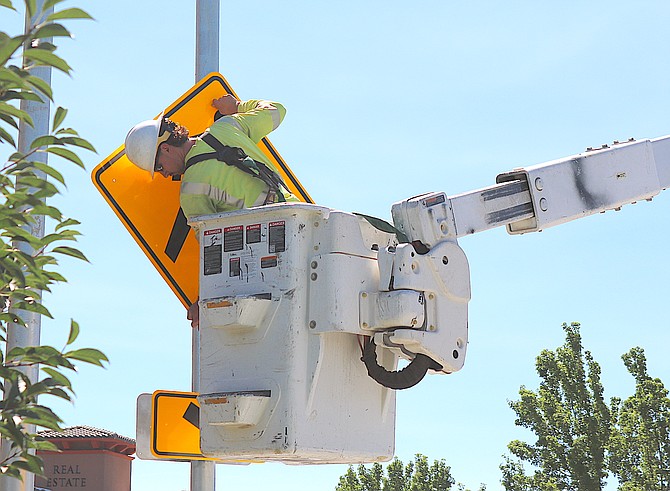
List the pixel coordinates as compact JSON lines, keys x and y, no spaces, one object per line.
{"x":66,"y":476}
{"x":149,"y":209}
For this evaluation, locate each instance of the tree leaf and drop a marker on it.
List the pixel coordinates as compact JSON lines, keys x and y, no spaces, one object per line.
{"x":16,"y":112}
{"x":72,"y":13}
{"x":67,"y":131}
{"x":44,"y":45}
{"x":78,"y":142}
{"x":34,"y":306}
{"x":50,"y":211}
{"x":56,"y":277}
{"x":9,"y":120}
{"x":10,"y":46}
{"x":11,"y":79}
{"x":57,"y":376}
{"x":51,"y":31}
{"x":67,"y":154}
{"x":67,"y":223}
{"x":44,"y":140}
{"x":42,"y":86}
{"x":42,"y":416}
{"x":44,"y":57}
{"x":12,"y":95}
{"x":7,"y":3}
{"x":60,"y":393}
{"x":45,"y":354}
{"x":59,"y":117}
{"x":12,"y":317}
{"x":49,"y":171}
{"x":45,"y":446}
{"x":88,"y":355}
{"x":70,"y":251}
{"x":50,"y":3}
{"x":4,"y":135}
{"x":39,"y":184}
{"x":68,"y":234}
{"x":74,"y":332}
{"x":31,"y":464}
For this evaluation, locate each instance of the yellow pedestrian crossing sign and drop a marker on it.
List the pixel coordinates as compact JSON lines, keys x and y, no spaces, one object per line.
{"x":149,"y":209}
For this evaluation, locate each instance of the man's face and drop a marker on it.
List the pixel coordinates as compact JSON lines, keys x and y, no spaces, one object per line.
{"x":169,"y":161}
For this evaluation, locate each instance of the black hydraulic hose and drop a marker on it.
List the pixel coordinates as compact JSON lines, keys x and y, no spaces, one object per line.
{"x":408,"y":377}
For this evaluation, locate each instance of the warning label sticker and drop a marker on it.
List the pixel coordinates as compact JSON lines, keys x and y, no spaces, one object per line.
{"x":234,"y":267}
{"x":212,"y":254}
{"x":268,"y":262}
{"x":253,"y":233}
{"x":277,"y":236}
{"x":233,"y":238}
{"x":249,"y":266}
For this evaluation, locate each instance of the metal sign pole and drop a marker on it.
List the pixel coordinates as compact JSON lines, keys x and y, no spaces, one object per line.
{"x":203,"y":473}
{"x":19,"y":336}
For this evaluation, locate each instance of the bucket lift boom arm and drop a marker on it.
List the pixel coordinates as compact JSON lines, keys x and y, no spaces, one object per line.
{"x":528,"y":199}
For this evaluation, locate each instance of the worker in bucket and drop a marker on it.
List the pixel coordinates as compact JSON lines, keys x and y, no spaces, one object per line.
{"x":221,"y":170}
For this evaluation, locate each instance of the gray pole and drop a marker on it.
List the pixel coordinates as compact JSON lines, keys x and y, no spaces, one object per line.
{"x":203,"y":473}
{"x":19,"y":336}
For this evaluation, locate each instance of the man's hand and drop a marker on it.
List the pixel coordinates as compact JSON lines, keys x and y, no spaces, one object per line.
{"x":194,"y":314}
{"x":264,"y":105}
{"x":226,"y":105}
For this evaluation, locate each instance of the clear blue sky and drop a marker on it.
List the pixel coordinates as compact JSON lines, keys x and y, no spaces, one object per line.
{"x":387,"y":100}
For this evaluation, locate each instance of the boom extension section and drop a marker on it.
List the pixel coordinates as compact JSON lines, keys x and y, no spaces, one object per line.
{"x":531,"y":199}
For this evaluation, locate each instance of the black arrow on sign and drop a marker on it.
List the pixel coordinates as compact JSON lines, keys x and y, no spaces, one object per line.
{"x":178,"y":234}
{"x":192,"y":415}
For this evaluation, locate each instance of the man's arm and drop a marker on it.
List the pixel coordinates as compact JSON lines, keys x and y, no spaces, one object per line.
{"x":194,"y":203}
{"x":258,"y":118}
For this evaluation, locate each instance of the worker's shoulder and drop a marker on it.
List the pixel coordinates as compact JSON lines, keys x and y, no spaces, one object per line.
{"x":202,"y":170}
{"x":223,"y":132}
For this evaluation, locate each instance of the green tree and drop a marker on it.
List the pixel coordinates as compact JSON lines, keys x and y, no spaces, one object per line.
{"x":640,"y":442}
{"x":417,"y":475}
{"x":570,"y":419}
{"x":24,"y":189}
{"x":461,"y":487}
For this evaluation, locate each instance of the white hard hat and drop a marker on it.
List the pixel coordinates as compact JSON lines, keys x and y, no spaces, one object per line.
{"x":142,"y":144}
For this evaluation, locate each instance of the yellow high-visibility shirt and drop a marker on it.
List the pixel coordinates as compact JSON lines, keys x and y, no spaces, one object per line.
{"x":212,"y":186}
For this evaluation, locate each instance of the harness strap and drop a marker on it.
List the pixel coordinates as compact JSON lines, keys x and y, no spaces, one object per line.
{"x":236,"y":157}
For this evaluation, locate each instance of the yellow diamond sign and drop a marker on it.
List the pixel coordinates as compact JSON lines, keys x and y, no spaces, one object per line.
{"x":175,"y":429}
{"x":149,"y":208}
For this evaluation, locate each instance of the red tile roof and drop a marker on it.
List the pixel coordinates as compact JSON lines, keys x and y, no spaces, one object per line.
{"x":89,"y":438}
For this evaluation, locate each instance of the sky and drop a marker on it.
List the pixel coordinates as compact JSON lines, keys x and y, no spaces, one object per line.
{"x":386,"y":100}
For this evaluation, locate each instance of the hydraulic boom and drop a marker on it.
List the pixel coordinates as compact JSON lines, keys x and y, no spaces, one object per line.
{"x":528,"y":199}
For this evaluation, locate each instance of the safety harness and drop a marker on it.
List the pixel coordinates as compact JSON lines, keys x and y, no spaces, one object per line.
{"x":236,"y":157}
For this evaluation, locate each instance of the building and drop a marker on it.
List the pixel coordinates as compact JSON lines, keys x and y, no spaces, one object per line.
{"x":90,"y":459}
